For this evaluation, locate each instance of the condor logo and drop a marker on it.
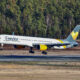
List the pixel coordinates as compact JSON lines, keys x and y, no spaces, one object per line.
{"x":74,"y":35}
{"x":11,"y":38}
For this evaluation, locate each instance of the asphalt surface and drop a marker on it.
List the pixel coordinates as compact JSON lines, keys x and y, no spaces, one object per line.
{"x":40,"y":58}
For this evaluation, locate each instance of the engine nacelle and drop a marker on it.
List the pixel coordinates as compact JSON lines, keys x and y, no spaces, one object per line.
{"x":19,"y":46}
{"x":41,"y":47}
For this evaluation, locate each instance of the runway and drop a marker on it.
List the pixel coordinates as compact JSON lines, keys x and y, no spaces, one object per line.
{"x":44,"y":58}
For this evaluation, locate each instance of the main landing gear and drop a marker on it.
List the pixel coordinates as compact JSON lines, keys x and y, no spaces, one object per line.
{"x":31,"y":51}
{"x":44,"y":52}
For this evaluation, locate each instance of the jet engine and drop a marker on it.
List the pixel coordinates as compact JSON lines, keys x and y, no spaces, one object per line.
{"x":41,"y":47}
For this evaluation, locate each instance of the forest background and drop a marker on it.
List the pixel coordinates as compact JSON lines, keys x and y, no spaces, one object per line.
{"x":41,"y":18}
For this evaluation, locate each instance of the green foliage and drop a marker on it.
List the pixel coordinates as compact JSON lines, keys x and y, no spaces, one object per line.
{"x":43,"y":18}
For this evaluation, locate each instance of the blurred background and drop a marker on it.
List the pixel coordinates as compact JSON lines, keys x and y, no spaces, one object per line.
{"x":41,"y":18}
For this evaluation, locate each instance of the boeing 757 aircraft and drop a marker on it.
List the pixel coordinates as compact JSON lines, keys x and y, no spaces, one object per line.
{"x":41,"y":44}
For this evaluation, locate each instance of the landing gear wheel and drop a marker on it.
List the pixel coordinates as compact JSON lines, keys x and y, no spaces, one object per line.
{"x":44,"y":52}
{"x":31,"y":51}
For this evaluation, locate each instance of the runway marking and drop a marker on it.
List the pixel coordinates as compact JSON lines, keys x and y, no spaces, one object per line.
{"x":40,"y":58}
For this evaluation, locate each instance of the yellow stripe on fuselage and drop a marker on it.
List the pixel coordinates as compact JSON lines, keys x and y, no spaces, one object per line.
{"x":61,"y":42}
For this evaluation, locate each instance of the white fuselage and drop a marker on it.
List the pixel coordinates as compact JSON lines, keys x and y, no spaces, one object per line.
{"x":26,"y":41}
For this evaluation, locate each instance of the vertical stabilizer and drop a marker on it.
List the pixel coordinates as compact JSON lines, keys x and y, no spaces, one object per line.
{"x":74,"y":34}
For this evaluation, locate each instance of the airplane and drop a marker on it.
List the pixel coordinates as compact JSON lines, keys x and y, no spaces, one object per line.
{"x":42,"y":44}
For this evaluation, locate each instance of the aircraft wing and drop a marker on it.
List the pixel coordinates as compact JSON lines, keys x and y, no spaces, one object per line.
{"x":58,"y":44}
{"x":52,"y":45}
